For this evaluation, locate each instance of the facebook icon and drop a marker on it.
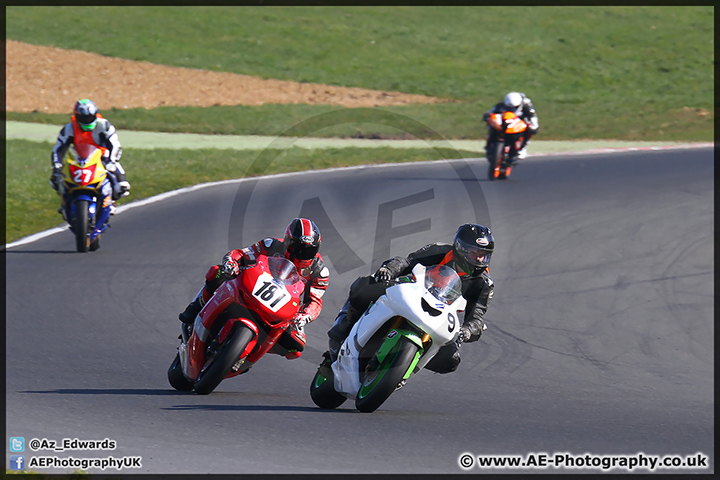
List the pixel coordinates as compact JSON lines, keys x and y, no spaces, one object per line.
{"x":17,"y":462}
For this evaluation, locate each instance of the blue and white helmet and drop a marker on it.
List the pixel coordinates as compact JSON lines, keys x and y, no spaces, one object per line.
{"x":86,"y":114}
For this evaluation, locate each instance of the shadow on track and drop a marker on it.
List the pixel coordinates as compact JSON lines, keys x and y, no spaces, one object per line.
{"x":105,"y":391}
{"x":41,"y":252}
{"x":253,"y":408}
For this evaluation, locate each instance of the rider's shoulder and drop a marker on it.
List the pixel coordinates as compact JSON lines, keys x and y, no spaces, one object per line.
{"x":268,"y":242}
{"x":67,"y":130}
{"x":439,"y":246}
{"x":486,"y":276}
{"x":319,"y":267}
{"x":498,"y":108}
{"x":105,"y":126}
{"x":431,"y":249}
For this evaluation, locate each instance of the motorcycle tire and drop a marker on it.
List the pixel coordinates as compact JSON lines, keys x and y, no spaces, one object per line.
{"x":227,"y":356}
{"x":377,"y":385}
{"x":495,"y":159}
{"x":176,"y":378}
{"x":322,"y":389}
{"x":82,"y":223}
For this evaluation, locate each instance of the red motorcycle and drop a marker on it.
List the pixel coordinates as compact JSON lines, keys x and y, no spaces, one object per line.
{"x":508,"y":133}
{"x":241,"y":322}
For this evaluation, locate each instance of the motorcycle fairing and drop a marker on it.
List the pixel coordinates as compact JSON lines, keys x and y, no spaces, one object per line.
{"x":404,"y":300}
{"x":85,"y":178}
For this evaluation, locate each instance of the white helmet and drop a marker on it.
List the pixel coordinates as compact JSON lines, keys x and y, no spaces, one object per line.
{"x":513,"y":100}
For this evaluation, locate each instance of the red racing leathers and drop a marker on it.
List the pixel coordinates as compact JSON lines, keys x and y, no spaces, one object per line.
{"x":313,"y":270}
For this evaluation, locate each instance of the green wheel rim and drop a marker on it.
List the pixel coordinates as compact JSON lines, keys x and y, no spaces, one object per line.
{"x":319,"y":380}
{"x":376,"y":376}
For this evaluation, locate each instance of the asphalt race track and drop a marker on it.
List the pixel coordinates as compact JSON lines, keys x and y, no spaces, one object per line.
{"x":600,"y":337}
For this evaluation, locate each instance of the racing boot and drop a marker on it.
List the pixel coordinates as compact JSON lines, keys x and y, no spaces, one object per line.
{"x":298,"y":335}
{"x":522,"y":153}
{"x":341,"y":328}
{"x":193,"y":308}
{"x":333,"y":349}
{"x":446,"y":360}
{"x":325,"y":369}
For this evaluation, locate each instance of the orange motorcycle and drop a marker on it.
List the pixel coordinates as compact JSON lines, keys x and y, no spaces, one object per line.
{"x":506,"y":139}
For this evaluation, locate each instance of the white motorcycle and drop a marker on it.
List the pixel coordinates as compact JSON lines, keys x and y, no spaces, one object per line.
{"x":395,"y":338}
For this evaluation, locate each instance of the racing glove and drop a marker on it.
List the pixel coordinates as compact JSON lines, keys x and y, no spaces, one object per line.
{"x":55,"y":180}
{"x":471,"y":331}
{"x":301,"y":319}
{"x":383,"y":275}
{"x":122,"y":189}
{"x":464,"y":335}
{"x":230,"y":267}
{"x":56,"y":177}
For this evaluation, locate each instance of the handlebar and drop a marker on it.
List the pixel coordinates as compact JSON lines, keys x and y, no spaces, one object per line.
{"x":397,"y":281}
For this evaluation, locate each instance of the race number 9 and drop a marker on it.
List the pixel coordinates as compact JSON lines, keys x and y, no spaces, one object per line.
{"x":270,"y":294}
{"x":451,"y":322}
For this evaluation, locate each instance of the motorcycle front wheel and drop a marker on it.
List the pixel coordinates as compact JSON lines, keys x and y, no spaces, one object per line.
{"x":322,"y":389}
{"x":227,"y":356}
{"x":81,"y":226}
{"x":176,"y":378}
{"x":495,"y":157}
{"x":381,"y":380}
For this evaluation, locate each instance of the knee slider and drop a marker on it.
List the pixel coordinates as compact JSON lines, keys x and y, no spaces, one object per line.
{"x":212,"y":273}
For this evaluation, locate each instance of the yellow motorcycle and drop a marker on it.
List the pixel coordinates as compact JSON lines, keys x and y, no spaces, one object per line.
{"x":87,"y":195}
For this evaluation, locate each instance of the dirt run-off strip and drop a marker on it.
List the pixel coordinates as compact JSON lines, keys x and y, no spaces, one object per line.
{"x":44,"y":79}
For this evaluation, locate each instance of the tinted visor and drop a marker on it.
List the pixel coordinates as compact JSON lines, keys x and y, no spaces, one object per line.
{"x":303,"y":252}
{"x":86,"y":119}
{"x":474,"y":254}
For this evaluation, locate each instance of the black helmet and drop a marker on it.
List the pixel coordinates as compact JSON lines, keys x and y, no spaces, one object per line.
{"x":302,"y":239}
{"x":475,"y":244}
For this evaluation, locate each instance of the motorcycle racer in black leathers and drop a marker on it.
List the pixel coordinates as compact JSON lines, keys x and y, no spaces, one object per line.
{"x":469,"y":256}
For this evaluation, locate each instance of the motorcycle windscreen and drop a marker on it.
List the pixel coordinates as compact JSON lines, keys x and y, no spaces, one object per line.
{"x":283,"y":271}
{"x":443,"y":283}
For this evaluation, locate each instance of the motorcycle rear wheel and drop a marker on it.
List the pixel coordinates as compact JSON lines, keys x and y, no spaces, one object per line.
{"x":81,"y":226}
{"x":379,"y":383}
{"x":176,"y":378}
{"x":322,"y":389}
{"x":227,"y":356}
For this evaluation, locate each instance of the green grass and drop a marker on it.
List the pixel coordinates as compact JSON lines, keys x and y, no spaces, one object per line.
{"x":76,"y":475}
{"x":31,"y":205}
{"x":632,"y":73}
{"x":627,"y":73}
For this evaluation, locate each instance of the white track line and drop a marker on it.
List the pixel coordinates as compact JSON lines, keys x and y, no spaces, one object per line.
{"x":163,"y":196}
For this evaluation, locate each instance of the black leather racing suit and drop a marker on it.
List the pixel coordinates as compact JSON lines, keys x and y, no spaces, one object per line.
{"x":477,"y":288}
